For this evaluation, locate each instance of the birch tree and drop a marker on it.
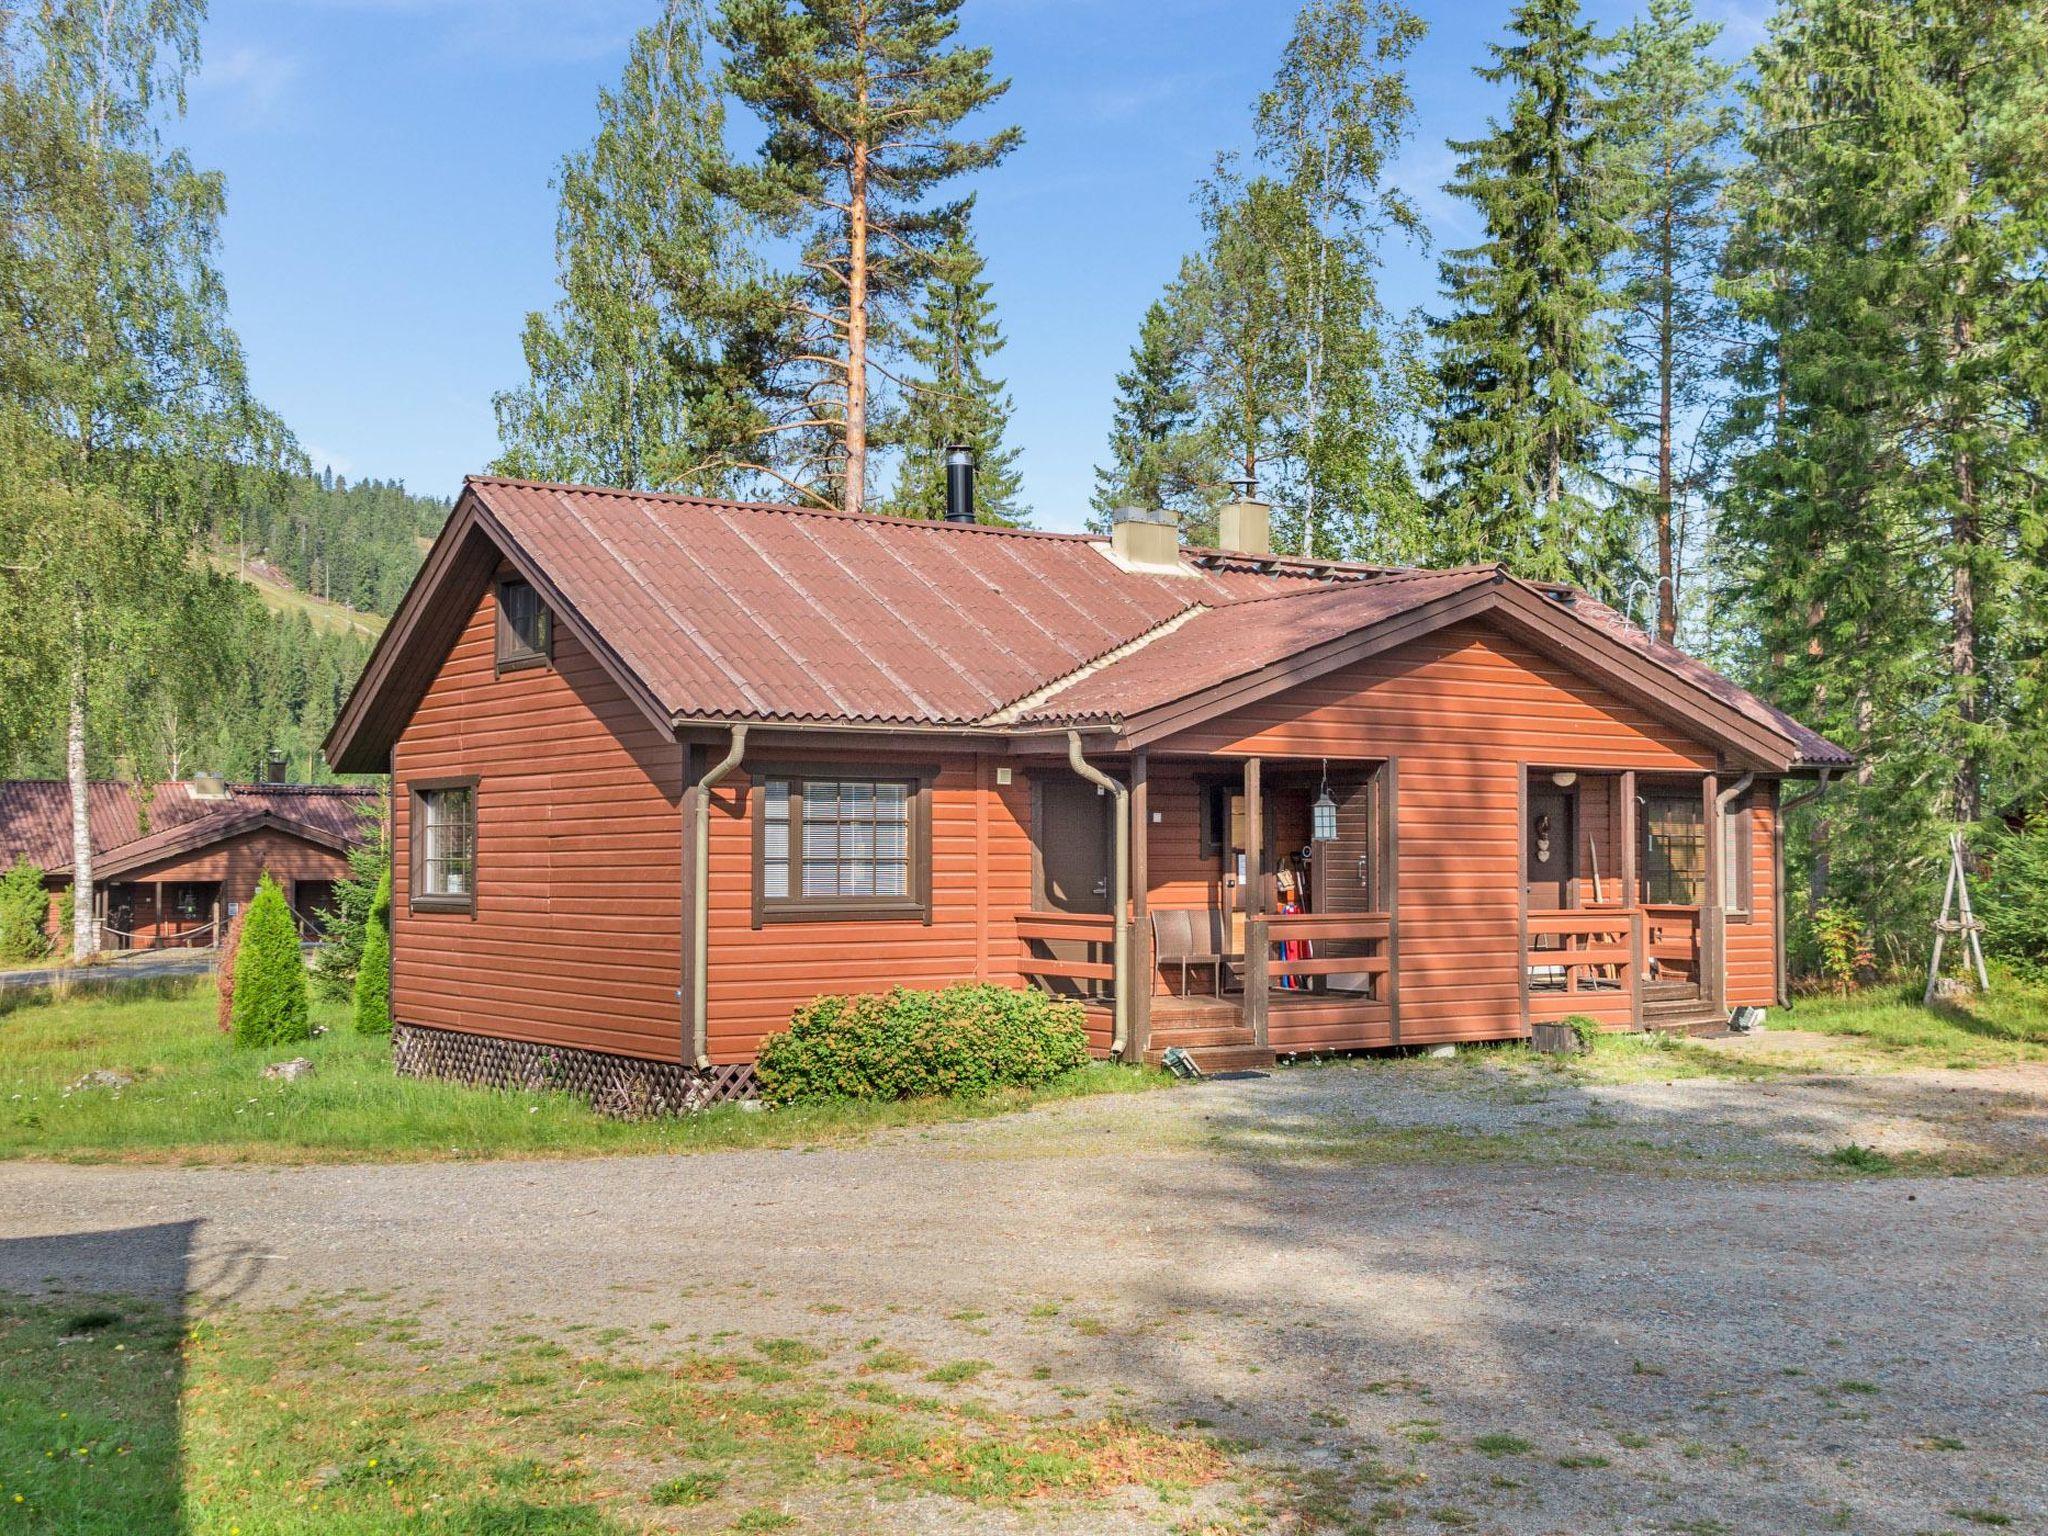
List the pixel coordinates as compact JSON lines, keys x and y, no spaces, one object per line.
{"x":124,"y":404}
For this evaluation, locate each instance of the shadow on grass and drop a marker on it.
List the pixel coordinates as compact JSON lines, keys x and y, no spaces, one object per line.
{"x":92,"y":1327}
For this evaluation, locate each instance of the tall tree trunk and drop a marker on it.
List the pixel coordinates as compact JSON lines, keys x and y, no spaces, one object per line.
{"x":85,"y":935}
{"x":1965,"y":533}
{"x":854,"y":497}
{"x":1667,"y":565}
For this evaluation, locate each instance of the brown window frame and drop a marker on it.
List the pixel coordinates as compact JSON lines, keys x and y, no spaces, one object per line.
{"x":512,"y":652}
{"x":1740,"y":831}
{"x":915,"y":907}
{"x":417,"y":790}
{"x":1687,"y":801}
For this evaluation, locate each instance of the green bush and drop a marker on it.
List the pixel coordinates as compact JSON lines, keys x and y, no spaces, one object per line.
{"x":271,"y":1006}
{"x":373,"y":971}
{"x":24,"y":910}
{"x":961,"y":1042}
{"x":2012,"y":897}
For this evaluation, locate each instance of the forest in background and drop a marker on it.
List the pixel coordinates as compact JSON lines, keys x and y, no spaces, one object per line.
{"x":1754,"y":350}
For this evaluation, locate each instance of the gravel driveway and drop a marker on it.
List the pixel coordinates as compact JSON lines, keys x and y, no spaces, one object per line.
{"x":1363,"y":1274}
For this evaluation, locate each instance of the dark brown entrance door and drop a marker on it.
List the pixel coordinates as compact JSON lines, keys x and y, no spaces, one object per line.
{"x":1550,"y":855}
{"x":1074,"y":840}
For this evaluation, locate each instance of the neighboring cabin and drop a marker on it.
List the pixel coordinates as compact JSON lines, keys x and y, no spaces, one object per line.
{"x":666,"y":768}
{"x":173,"y":863}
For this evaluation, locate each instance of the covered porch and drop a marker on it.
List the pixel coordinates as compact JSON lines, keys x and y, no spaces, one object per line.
{"x":1262,"y":902}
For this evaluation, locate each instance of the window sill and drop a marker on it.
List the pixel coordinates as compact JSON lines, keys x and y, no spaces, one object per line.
{"x":523,"y":663}
{"x":462,"y":905}
{"x":866,"y":912}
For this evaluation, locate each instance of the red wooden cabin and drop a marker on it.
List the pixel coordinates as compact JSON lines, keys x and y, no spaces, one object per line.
{"x":666,"y":768}
{"x":173,"y":863}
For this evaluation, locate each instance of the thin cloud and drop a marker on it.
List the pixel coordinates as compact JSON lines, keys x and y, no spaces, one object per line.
{"x":251,"y":82}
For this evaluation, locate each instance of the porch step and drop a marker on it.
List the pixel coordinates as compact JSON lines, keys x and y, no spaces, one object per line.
{"x":1692,"y":1018}
{"x":1197,"y":1037}
{"x":1217,"y":1058}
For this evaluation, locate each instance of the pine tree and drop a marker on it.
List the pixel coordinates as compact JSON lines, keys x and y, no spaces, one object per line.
{"x":270,"y":1002}
{"x":125,"y":413}
{"x":1675,"y":121}
{"x":645,"y":373}
{"x":1527,"y":357}
{"x":951,"y":398}
{"x":860,"y":100}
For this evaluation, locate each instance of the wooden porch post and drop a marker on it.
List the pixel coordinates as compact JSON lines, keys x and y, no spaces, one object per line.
{"x":1713,"y":973}
{"x":1255,"y":946}
{"x":1631,"y":897}
{"x":1522,"y":892}
{"x":1139,"y":1014}
{"x":1392,"y":844}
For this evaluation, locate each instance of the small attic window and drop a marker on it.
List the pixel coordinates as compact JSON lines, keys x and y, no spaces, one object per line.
{"x":525,"y":628}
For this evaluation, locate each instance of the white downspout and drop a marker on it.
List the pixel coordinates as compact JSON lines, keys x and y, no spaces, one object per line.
{"x":700,"y":899}
{"x":1120,"y":893}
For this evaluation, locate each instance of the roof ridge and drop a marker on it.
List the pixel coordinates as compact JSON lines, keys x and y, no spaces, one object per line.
{"x":684,"y":498}
{"x":1371,"y":584}
{"x":1044,"y":693}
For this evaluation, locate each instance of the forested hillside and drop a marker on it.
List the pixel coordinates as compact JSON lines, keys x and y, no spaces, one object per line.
{"x":356,"y":544}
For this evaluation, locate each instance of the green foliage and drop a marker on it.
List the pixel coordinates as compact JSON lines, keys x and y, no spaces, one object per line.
{"x":2012,"y":897}
{"x":372,"y":1013}
{"x":1584,"y":1028}
{"x":353,"y":543}
{"x":24,"y":910}
{"x":646,"y":372}
{"x":341,"y":950}
{"x":1837,"y":936}
{"x":271,"y":1006}
{"x":961,"y":1042}
{"x":860,"y":106}
{"x":1271,"y":357}
{"x":1528,"y":359}
{"x":953,"y":341}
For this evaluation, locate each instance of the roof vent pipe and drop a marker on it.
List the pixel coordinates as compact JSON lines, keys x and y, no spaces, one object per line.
{"x":959,"y":484}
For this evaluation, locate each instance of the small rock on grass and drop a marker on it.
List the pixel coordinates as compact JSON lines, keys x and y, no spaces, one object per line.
{"x":103,"y":1078}
{"x":289,"y":1071}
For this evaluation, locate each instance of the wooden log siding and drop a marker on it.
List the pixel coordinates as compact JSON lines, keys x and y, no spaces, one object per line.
{"x":981,"y":881}
{"x":577,"y":935}
{"x":1463,"y":710}
{"x":1752,"y":944}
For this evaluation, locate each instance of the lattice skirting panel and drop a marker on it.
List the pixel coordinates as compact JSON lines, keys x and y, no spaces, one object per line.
{"x":624,"y":1087}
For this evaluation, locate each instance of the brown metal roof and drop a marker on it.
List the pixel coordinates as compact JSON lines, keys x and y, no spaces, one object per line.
{"x":1215,"y":646}
{"x":713,"y":610}
{"x":779,"y":613}
{"x":35,"y":815}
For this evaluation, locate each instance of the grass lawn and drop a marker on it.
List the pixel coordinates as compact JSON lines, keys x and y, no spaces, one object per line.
{"x":120,"y":1419}
{"x":198,"y":1099}
{"x":2009,"y":1025}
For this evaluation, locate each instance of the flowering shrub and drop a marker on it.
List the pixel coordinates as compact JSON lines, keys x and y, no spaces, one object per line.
{"x":960,"y":1042}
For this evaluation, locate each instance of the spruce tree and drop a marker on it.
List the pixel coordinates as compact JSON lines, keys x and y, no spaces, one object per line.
{"x":951,"y":398}
{"x":1675,"y":120}
{"x":860,"y":101}
{"x":372,"y":1010}
{"x":1528,"y":360}
{"x":1159,"y":454}
{"x":270,"y":1002}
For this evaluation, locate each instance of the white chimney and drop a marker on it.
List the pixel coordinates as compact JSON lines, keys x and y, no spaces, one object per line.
{"x":1245,"y":524}
{"x":1146,"y":539}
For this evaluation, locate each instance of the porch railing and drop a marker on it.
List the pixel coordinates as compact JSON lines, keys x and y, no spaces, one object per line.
{"x":1089,"y":938}
{"x":1671,"y":938}
{"x":1585,"y":952}
{"x":1340,"y":944}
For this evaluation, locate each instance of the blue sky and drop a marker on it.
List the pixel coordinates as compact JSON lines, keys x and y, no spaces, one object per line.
{"x":391,"y":216}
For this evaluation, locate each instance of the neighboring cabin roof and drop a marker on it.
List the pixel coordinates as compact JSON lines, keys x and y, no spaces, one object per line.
{"x":35,"y":818}
{"x":723,"y":611}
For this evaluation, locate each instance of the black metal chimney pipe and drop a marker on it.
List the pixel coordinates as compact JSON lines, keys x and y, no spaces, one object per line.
{"x":959,"y":484}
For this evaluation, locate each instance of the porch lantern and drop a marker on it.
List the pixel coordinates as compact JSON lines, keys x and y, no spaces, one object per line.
{"x":1323,"y":814}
